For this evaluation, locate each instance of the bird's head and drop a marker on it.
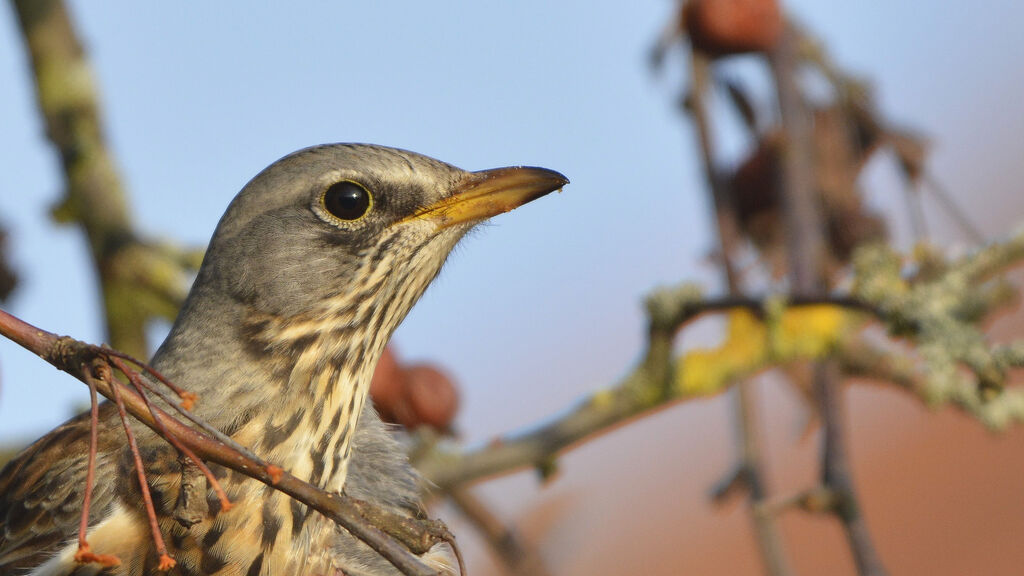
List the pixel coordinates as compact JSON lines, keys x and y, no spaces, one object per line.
{"x":345,"y":225}
{"x":311,"y":268}
{"x":346,"y":237}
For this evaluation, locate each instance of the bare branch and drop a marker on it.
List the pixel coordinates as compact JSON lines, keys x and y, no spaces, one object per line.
{"x":805,"y":227}
{"x":651,"y":386}
{"x":139,"y":280}
{"x":860,"y":358}
{"x":520,"y":559}
{"x":749,"y":472}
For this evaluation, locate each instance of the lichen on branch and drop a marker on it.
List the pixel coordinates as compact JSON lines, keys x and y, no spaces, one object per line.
{"x":937,"y":309}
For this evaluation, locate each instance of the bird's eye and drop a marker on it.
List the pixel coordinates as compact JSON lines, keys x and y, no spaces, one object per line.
{"x":347,"y":200}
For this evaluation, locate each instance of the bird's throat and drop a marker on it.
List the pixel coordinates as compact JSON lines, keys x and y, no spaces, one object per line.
{"x":308,"y":420}
{"x":296,"y":395}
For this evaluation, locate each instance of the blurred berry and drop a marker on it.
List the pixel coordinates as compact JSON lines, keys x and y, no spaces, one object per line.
{"x":723,"y":27}
{"x":388,"y":385}
{"x":413,"y":396}
{"x":432,"y":396}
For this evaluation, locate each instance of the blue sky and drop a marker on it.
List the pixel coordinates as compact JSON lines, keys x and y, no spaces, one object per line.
{"x":542,"y":305}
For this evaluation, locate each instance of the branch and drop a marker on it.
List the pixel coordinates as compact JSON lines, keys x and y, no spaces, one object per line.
{"x":519,"y":559}
{"x":860,"y":358}
{"x":139,"y":280}
{"x":906,"y":147}
{"x":805,"y":234}
{"x":773,"y":332}
{"x":818,"y":499}
{"x":658,"y":380}
{"x":749,"y":471}
{"x":938,"y":313}
{"x":86,"y":362}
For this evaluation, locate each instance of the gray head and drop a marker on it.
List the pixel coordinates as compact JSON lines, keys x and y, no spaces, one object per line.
{"x":326,"y":226}
{"x":312,"y":267}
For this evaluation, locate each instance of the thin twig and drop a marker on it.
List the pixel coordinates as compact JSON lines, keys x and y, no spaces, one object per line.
{"x":836,"y":475}
{"x":166,"y":562}
{"x":721,"y":195}
{"x":188,"y":398}
{"x":90,"y":471}
{"x":804,"y":224}
{"x":818,"y":499}
{"x":84,"y":554}
{"x":953,"y":209}
{"x":503,"y":539}
{"x":805,"y":227}
{"x":94,"y":195}
{"x":915,"y":208}
{"x":181,"y":409}
{"x":749,"y":471}
{"x":140,"y":386}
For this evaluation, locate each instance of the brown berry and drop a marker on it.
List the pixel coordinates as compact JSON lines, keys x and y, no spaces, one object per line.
{"x":432,"y":396}
{"x":723,"y":27}
{"x":388,"y":385}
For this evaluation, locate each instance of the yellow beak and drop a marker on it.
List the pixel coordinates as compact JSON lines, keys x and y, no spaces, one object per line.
{"x":491,"y":192}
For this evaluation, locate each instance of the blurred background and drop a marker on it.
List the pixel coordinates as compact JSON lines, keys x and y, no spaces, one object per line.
{"x":543,"y":306}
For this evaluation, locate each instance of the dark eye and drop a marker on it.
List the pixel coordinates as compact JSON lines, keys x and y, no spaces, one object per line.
{"x":347,"y":200}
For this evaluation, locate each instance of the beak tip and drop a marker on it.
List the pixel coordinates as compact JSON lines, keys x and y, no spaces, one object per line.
{"x":556,"y":180}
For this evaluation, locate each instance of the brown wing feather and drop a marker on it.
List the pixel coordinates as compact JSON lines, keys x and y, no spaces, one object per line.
{"x":41,"y":491}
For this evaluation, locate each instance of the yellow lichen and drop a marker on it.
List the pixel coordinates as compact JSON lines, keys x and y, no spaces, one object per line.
{"x":805,"y":332}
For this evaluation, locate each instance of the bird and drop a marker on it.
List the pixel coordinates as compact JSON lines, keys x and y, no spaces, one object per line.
{"x":309,"y":271}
